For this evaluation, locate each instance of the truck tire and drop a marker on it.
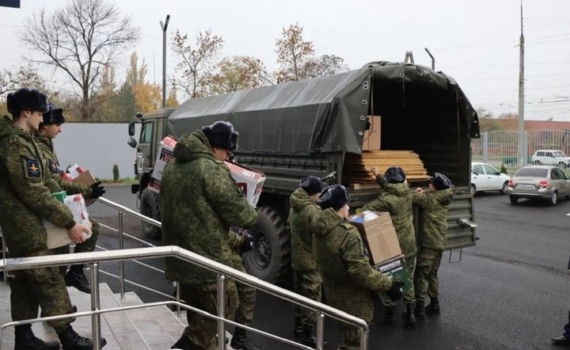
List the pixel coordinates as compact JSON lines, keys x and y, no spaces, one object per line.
{"x":270,"y":258}
{"x":150,"y":206}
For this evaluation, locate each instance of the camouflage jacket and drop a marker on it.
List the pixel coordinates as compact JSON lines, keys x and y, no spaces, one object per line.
{"x":433,"y":218}
{"x":348,"y":278}
{"x":25,"y":193}
{"x":200,"y":201}
{"x":45,"y":145}
{"x":303,"y":209}
{"x":398,"y":201}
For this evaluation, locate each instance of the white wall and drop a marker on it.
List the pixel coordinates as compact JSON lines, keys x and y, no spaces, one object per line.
{"x":97,"y":147}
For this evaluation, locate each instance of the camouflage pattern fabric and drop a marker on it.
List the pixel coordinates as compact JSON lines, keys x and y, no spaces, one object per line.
{"x":307,"y":284}
{"x":433,"y":218}
{"x":425,"y":278}
{"x":43,"y":287}
{"x":59,"y":251}
{"x":202,"y":330}
{"x":350,"y":337}
{"x":246,"y":296}
{"x":200,"y":201}
{"x":410,"y":296}
{"x":45,"y":145}
{"x":348,"y":278}
{"x":25,"y":196}
{"x":303,"y":209}
{"x":397,"y":200}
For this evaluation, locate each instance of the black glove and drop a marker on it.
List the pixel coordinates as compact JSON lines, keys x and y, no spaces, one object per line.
{"x":395,"y":292}
{"x":97,"y":190}
{"x":247,"y":243}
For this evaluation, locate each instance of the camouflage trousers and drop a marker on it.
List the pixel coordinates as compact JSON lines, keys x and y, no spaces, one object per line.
{"x":202,"y":330}
{"x":89,"y":245}
{"x":43,"y":287}
{"x":410,"y":296}
{"x":246,"y":295}
{"x":307,"y":284}
{"x":425,"y":277}
{"x":350,"y":337}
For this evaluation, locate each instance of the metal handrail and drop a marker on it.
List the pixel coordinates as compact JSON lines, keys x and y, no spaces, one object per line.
{"x":94,"y":258}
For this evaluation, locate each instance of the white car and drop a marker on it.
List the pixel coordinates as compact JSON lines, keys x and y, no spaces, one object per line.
{"x":553,"y":157}
{"x":484,"y":177}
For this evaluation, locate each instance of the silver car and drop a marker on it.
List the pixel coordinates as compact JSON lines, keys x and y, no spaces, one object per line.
{"x":539,"y":182}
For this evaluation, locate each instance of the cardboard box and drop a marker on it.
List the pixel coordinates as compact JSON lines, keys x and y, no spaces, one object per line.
{"x":397,"y":270}
{"x":372,"y":137}
{"x":87,"y":179}
{"x":379,"y":234}
{"x":249,"y":180}
{"x":58,"y":236}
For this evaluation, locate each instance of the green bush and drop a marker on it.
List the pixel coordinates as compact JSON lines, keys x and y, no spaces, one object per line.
{"x":115,"y":173}
{"x":503,"y":168}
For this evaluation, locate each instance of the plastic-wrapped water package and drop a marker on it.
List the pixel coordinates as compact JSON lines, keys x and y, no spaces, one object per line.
{"x":368,"y":215}
{"x":58,"y":236}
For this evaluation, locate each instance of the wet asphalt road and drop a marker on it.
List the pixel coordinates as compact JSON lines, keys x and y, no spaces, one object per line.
{"x":509,"y":292}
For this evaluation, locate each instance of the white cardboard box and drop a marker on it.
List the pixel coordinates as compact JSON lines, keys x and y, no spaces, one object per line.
{"x":249,"y":180}
{"x":58,"y":236}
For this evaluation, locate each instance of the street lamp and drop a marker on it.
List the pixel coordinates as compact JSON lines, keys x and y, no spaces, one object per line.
{"x":164,"y":26}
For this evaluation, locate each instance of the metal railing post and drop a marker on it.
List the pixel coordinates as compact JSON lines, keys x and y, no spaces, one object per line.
{"x":320,"y":331}
{"x":5,"y":272}
{"x":178,"y":298}
{"x":221,"y":312}
{"x":364,"y":340}
{"x":95,"y":306}
{"x":121,"y":262}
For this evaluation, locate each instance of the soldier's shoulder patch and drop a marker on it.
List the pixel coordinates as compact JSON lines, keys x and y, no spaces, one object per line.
{"x":32,"y":168}
{"x":53,"y":166}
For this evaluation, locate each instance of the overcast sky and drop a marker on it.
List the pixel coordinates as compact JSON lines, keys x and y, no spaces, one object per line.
{"x":474,"y":41}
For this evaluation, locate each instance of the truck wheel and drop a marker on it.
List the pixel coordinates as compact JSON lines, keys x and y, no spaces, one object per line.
{"x":270,"y":258}
{"x":150,"y":206}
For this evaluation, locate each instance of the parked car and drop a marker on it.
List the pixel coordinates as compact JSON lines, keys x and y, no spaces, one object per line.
{"x":539,"y":182}
{"x":550,"y":157}
{"x":485,"y":177}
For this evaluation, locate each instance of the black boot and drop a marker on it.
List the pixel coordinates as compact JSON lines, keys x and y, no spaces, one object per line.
{"x":26,"y":340}
{"x":75,"y":277}
{"x":70,"y":340}
{"x":240,"y":341}
{"x":410,"y":318}
{"x":561,"y":341}
{"x":184,"y":343}
{"x":298,"y":331}
{"x":308,"y":338}
{"x":390,"y":316}
{"x":433,"y":306}
{"x":420,"y":310}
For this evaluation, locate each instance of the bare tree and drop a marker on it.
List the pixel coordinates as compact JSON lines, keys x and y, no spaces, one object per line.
{"x":80,"y":39}
{"x":197,"y":63}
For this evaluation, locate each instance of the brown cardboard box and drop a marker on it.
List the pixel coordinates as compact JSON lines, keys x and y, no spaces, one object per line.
{"x":379,"y":235}
{"x":88,"y":180}
{"x":372,"y":136}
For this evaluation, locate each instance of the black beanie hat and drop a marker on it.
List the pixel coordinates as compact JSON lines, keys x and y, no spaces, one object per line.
{"x":335,"y":197}
{"x":54,"y":115}
{"x":440,"y":181}
{"x":26,"y":99}
{"x":395,"y":175}
{"x":222,"y":135}
{"x":311,"y":184}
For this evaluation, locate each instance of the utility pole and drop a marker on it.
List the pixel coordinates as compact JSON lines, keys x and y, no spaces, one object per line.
{"x":521,"y":150}
{"x":164,"y":26}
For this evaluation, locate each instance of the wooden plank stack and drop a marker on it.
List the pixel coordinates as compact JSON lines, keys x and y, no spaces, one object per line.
{"x":357,"y":168}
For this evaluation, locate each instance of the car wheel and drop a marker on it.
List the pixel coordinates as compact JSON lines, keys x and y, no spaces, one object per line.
{"x":536,"y":162}
{"x":554,"y":198}
{"x":472,"y":189}
{"x":514,"y":200}
{"x":562,"y":165}
{"x":505,"y":188}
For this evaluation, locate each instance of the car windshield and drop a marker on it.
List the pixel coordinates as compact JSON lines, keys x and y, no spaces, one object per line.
{"x":559,"y":154}
{"x":532,"y":172}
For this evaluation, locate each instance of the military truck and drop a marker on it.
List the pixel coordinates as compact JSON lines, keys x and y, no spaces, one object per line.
{"x":309,"y":127}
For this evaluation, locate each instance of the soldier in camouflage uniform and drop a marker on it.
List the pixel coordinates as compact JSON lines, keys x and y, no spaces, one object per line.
{"x":50,"y":127}
{"x":307,"y":280}
{"x":348,"y":278}
{"x":25,"y":199}
{"x":397,"y":199}
{"x":432,"y":241}
{"x":200,"y":201}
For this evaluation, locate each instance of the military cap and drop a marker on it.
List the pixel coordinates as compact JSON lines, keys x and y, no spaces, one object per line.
{"x":222,"y":135}
{"x":311,"y":184}
{"x":26,"y":99}
{"x":440,"y":181}
{"x":335,"y":197}
{"x":395,"y":175}
{"x":54,"y":115}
